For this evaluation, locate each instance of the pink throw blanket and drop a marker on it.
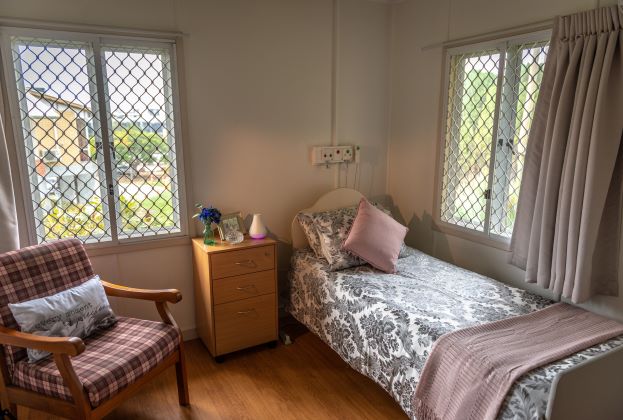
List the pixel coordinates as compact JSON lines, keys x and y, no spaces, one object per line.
{"x":470,"y":371}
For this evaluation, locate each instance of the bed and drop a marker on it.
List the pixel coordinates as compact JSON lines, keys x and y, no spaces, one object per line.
{"x":384,"y":326}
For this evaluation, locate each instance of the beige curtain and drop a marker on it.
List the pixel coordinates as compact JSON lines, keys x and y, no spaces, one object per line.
{"x":9,"y":235}
{"x":567,"y":229}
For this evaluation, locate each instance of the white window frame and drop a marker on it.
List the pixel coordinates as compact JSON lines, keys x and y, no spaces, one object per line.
{"x":500,"y":44}
{"x":78,"y":33}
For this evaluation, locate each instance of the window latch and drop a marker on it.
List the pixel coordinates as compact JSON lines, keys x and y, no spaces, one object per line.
{"x":509,"y":144}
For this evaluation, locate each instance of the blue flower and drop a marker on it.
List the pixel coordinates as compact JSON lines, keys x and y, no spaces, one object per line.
{"x":208,"y":215}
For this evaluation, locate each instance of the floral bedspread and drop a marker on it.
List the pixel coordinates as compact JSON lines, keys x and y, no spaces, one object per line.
{"x":384,"y":325}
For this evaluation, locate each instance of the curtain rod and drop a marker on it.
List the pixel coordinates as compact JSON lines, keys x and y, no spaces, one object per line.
{"x":492,"y":35}
{"x":99,"y":29}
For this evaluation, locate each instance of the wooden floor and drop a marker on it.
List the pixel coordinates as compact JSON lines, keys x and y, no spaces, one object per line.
{"x":305,"y":380}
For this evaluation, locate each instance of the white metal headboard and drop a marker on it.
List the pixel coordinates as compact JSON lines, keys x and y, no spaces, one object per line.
{"x":335,"y":199}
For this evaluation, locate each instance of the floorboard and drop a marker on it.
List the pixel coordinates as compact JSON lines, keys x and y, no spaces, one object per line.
{"x":305,"y":380}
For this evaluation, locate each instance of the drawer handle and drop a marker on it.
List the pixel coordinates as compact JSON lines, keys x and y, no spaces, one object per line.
{"x":246,"y":263}
{"x":248,"y":312}
{"x":246,"y":288}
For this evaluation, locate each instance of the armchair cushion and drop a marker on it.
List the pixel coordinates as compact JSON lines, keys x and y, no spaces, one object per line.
{"x":75,"y":312}
{"x":114,"y":358}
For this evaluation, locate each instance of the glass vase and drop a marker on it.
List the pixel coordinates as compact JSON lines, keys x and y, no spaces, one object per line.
{"x":208,"y":235}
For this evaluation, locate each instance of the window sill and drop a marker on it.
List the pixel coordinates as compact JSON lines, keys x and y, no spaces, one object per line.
{"x":96,"y":250}
{"x":473,"y":236}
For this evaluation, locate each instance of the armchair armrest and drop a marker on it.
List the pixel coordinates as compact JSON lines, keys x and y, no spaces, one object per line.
{"x":156,"y":295}
{"x":71,"y":346}
{"x":60,"y":347}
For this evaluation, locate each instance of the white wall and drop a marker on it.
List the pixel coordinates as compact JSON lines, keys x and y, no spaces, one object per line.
{"x":258,"y":95}
{"x":415,"y":112}
{"x":363,"y":100}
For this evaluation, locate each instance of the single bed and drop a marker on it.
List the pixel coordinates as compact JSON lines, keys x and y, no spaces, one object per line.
{"x":384,"y":326}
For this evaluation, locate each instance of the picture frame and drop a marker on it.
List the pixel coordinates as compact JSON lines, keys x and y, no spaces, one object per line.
{"x":231,"y":221}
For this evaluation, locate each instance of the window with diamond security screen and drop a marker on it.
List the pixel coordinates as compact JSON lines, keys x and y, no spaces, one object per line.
{"x":98,"y":128}
{"x":492,"y":93}
{"x":139,"y":111}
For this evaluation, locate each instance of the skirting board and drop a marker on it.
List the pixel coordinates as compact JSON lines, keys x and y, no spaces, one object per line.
{"x":189,"y":334}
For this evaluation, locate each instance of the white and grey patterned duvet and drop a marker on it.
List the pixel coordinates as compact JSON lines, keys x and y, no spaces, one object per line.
{"x":384,"y":325}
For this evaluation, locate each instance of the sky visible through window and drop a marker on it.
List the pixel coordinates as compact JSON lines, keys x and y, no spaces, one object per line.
{"x":63,"y":72}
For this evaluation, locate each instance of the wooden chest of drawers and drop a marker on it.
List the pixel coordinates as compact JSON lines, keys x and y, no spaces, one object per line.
{"x":235,"y":294}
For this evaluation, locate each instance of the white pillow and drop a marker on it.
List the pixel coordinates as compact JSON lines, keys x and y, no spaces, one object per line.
{"x":75,"y":312}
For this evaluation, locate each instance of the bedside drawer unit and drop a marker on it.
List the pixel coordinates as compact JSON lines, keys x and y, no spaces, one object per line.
{"x":244,"y":323}
{"x":226,"y":264}
{"x":235,"y":294}
{"x":242,"y":287}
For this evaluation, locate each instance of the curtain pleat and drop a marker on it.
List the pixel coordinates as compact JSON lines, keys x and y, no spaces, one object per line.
{"x":567,"y":230}
{"x":9,"y":234}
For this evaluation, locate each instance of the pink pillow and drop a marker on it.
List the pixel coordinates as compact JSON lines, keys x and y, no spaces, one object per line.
{"x":375,"y":237}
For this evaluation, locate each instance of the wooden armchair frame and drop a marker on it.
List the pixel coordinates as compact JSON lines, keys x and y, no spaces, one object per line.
{"x":63,"y":348}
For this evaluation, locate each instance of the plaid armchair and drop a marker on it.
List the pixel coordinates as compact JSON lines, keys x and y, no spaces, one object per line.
{"x":84,"y":379}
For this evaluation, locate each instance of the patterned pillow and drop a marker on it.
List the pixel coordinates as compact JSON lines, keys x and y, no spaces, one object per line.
{"x":404,"y":251}
{"x":307,"y":224}
{"x":333,"y":227}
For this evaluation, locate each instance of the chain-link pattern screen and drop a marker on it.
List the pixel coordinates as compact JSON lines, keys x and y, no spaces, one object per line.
{"x":470,"y":119}
{"x":490,"y":105}
{"x":57,"y":95}
{"x":139,"y":105}
{"x":70,"y":109}
{"x":522,"y":79}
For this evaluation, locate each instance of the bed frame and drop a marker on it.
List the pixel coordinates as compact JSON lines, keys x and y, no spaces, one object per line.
{"x":590,"y":390}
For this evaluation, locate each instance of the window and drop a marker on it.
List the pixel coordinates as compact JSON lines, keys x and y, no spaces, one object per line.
{"x":97,"y":132}
{"x":491,"y":94}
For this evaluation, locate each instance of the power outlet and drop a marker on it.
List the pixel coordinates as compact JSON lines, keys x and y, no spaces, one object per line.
{"x":328,"y":154}
{"x":346,"y":153}
{"x":325,"y":155}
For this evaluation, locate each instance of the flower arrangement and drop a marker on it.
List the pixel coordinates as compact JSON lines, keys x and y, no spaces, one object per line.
{"x":207,"y":216}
